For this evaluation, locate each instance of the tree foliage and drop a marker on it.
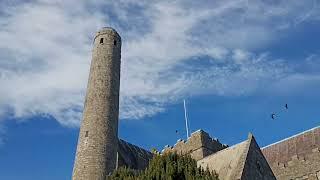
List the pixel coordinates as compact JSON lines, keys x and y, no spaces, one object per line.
{"x":168,"y":166}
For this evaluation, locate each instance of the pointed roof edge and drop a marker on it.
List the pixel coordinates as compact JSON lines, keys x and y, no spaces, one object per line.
{"x":243,"y":158}
{"x":238,"y":154}
{"x":251,"y":144}
{"x":250,"y":136}
{"x":247,"y":151}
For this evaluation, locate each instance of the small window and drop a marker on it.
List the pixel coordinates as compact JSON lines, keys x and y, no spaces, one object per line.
{"x":87,"y":134}
{"x":115,"y":42}
{"x":101,"y":40}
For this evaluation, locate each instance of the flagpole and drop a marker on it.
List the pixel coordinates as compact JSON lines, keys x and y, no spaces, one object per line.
{"x":186,"y":117}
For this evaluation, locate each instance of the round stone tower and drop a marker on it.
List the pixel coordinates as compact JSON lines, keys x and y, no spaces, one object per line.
{"x":98,"y":138}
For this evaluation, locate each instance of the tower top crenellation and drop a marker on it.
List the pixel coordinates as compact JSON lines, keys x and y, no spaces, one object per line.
{"x":198,"y":145}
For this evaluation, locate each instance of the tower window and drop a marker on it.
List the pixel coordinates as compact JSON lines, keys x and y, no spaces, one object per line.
{"x":87,"y":134}
{"x":101,"y":40}
{"x":115,"y":42}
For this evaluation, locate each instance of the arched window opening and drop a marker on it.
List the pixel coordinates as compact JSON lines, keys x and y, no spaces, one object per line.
{"x":101,"y":40}
{"x":87,"y":134}
{"x":115,"y":42}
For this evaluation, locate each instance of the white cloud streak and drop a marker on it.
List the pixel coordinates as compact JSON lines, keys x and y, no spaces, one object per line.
{"x":45,"y":51}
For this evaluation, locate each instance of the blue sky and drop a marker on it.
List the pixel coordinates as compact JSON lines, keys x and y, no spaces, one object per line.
{"x":235,"y":62}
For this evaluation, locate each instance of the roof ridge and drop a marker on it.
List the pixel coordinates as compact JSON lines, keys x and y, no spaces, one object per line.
{"x":238,"y":173}
{"x":225,"y":149}
{"x":285,"y":139}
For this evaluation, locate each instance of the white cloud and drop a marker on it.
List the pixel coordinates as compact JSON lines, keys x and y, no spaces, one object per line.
{"x":306,"y":85}
{"x":45,"y":51}
{"x":240,"y":56}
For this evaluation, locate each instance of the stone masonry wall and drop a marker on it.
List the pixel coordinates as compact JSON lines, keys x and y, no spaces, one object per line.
{"x":241,"y":161}
{"x":228,"y":163}
{"x":198,"y":145}
{"x":256,"y":166}
{"x":297,"y":157}
{"x":98,"y":137}
{"x":299,"y":167}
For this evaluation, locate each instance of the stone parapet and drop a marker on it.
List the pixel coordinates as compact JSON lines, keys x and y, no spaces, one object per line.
{"x":198,"y":145}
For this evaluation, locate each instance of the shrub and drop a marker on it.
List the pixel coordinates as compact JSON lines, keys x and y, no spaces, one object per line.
{"x":168,"y":166}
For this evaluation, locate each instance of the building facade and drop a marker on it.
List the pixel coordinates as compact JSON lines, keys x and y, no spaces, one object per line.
{"x":241,"y":161}
{"x":100,"y":151}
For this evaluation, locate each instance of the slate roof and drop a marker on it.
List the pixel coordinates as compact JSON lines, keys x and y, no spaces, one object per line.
{"x":133,"y":156}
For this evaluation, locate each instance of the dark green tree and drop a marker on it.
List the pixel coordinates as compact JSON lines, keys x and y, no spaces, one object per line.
{"x":168,"y":166}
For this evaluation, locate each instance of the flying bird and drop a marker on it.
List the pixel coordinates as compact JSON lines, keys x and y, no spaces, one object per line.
{"x":273,"y":115}
{"x":286,"y":106}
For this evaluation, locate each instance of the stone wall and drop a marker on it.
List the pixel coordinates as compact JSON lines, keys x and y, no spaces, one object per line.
{"x":241,"y":161}
{"x":299,"y":167}
{"x":297,"y":157}
{"x":226,"y":162}
{"x":256,"y":166}
{"x":198,"y":145}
